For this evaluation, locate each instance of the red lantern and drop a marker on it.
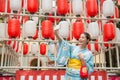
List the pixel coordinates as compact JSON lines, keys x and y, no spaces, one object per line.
{"x":47,"y":28}
{"x":62,"y":7}
{"x":43,"y":48}
{"x":25,"y":48}
{"x":92,"y":7}
{"x":2,"y":6}
{"x":78,"y":29}
{"x":109,"y":31}
{"x":52,"y":36}
{"x":13,"y":28}
{"x":32,"y":6}
{"x":83,"y":72}
{"x":36,"y":35}
{"x":106,"y":44}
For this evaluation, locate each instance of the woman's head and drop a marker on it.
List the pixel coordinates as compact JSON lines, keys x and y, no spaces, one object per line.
{"x":84,"y":38}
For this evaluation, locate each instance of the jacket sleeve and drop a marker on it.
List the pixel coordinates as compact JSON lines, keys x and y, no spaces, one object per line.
{"x":63,"y":53}
{"x":90,"y":64}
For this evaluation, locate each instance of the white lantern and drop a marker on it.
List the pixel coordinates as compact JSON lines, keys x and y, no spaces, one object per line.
{"x":34,"y":18}
{"x":64,"y":29}
{"x":2,"y":30}
{"x":93,"y":29}
{"x":108,"y":8}
{"x":77,"y":7}
{"x":47,"y":6}
{"x":30,"y":28}
{"x":117,"y":34}
{"x":34,"y":48}
{"x":15,"y":4}
{"x":52,"y":48}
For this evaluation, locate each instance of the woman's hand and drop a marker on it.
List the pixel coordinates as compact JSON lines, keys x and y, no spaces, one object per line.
{"x":82,"y":59}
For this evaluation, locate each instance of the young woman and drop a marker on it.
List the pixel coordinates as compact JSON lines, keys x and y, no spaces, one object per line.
{"x":74,"y":56}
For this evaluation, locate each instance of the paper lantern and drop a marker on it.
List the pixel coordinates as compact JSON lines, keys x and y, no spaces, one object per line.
{"x":36,"y":19}
{"x":25,"y":48}
{"x":93,"y":29}
{"x":52,"y":36}
{"x":52,"y":48}
{"x":92,"y":7}
{"x":109,"y":31}
{"x":62,"y":7}
{"x":30,"y":28}
{"x":32,"y":6}
{"x":36,"y":35}
{"x":15,"y":5}
{"x":77,"y":7}
{"x":64,"y":29}
{"x":13,"y":28}
{"x":2,"y":6}
{"x":78,"y":29}
{"x":2,"y":30}
{"x":108,"y":8}
{"x":34,"y":48}
{"x":47,"y":28}
{"x":117,"y":34}
{"x":47,"y":6}
{"x":42,"y":48}
{"x":106,"y":44}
